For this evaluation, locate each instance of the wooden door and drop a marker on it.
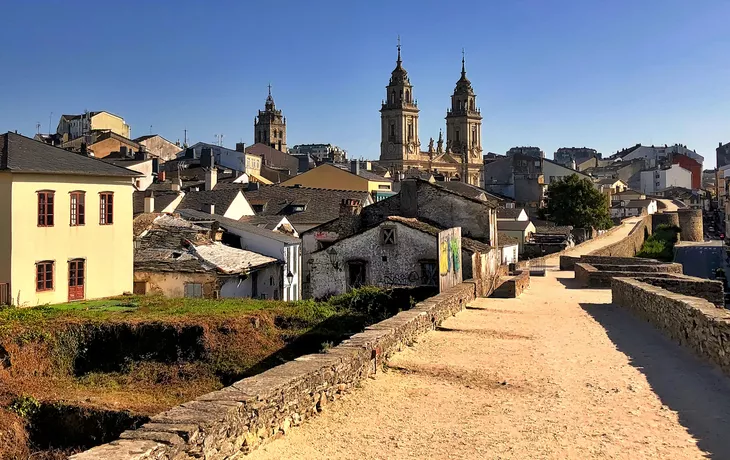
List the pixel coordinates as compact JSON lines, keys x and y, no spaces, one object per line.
{"x":76,"y":277}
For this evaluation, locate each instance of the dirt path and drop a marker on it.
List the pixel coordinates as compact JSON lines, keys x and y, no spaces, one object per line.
{"x":558,"y":373}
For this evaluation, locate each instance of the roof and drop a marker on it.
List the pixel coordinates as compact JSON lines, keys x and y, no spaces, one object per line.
{"x":371,"y":176}
{"x":506,"y":240}
{"x":221,"y":198}
{"x":554,"y":229}
{"x":509,"y":213}
{"x":225,"y":223}
{"x":607,"y":181}
{"x":514,"y":225}
{"x":21,"y":154}
{"x":491,"y":203}
{"x":123,"y":162}
{"x":638,"y":203}
{"x":162,"y":198}
{"x":462,"y":188}
{"x":173,"y":244}
{"x":321,"y":205}
{"x":150,"y":136}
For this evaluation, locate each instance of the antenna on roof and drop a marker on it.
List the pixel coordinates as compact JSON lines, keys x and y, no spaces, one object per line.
{"x":38,"y":127}
{"x":150,"y":129}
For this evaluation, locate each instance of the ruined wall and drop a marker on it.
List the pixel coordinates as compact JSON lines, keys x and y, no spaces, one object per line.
{"x":690,"y":221}
{"x":693,"y":322}
{"x":590,"y":276}
{"x":172,"y":284}
{"x":238,"y":418}
{"x":712,"y":291}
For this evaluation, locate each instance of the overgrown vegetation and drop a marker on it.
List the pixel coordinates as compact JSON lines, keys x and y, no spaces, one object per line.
{"x":660,"y":245}
{"x":142,"y":355}
{"x":574,"y":201}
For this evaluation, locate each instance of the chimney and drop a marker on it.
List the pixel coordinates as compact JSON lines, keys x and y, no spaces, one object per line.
{"x":409,"y":198}
{"x":355,"y":167}
{"x":161,"y":176}
{"x":209,"y":208}
{"x":177,"y":185}
{"x":123,"y":151}
{"x":240,"y":147}
{"x":141,"y":155}
{"x":149,"y":201}
{"x":84,"y":149}
{"x":369,"y":165}
{"x":211,"y":178}
{"x":189,"y":153}
{"x":350,"y":207}
{"x":206,"y":158}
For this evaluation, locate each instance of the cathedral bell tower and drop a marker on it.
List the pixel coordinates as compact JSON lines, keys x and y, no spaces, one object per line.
{"x":399,"y":121}
{"x":270,"y":126}
{"x":464,"y":128}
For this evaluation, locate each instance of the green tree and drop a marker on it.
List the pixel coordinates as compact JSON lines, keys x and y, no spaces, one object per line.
{"x":575,"y":201}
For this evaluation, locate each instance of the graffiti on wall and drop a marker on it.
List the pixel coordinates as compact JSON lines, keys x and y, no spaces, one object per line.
{"x":449,"y":250}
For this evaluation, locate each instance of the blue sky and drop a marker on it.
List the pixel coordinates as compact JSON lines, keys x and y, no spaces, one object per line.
{"x":602,"y":74}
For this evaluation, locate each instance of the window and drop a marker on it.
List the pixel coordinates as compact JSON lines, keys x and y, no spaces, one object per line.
{"x":387,"y":236}
{"x":428,"y":273}
{"x":193,"y":290}
{"x":254,"y":284}
{"x":392,"y":132}
{"x":383,"y":187}
{"x":106,"y":208}
{"x":271,"y":280}
{"x":45,"y":208}
{"x":356,"y":273}
{"x":78,"y":208}
{"x":44,"y":276}
{"x":408,"y":96}
{"x":457,"y":135}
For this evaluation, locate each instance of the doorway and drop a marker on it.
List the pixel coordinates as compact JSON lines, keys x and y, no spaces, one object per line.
{"x":76,"y":279}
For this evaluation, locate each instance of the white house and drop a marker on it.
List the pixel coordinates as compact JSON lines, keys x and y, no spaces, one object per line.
{"x":280,"y":246}
{"x":623,"y":209}
{"x":227,"y":158}
{"x":656,"y":180}
{"x":652,"y":155}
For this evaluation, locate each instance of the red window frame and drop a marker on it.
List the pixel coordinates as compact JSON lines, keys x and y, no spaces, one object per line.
{"x":45,"y":207}
{"x":77,"y":208}
{"x":44,"y":275}
{"x":106,"y":208}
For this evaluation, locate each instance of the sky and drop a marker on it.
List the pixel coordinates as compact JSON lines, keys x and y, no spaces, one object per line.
{"x":558,"y":73}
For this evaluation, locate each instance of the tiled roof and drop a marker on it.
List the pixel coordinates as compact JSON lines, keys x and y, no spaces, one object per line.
{"x":509,"y":213}
{"x":462,"y":188}
{"x":221,"y":198}
{"x":24,"y":155}
{"x":322,"y":205}
{"x":162,"y":198}
{"x":466,"y":243}
{"x":229,"y":260}
{"x":638,"y":203}
{"x":513,"y":225}
{"x":243,"y":226}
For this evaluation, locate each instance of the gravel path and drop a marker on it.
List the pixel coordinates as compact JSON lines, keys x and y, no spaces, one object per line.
{"x":558,"y":373}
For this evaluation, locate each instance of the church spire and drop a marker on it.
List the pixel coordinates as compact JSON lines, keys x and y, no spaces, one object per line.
{"x":398,"y":61}
{"x":463,"y":64}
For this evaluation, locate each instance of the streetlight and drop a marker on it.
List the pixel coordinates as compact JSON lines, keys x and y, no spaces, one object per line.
{"x":290,"y":278}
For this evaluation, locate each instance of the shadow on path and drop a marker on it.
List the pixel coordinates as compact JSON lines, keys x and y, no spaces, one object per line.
{"x":569,"y":283}
{"x":697,"y":391}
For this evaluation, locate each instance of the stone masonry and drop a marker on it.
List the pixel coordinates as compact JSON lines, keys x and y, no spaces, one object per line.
{"x":693,"y":322}
{"x":229,"y":423}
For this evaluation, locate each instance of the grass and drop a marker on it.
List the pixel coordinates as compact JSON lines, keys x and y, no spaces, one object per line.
{"x":660,"y":245}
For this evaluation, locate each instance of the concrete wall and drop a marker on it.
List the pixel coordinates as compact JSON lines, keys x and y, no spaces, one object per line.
{"x":107,"y":249}
{"x":693,"y":322}
{"x":235,"y":420}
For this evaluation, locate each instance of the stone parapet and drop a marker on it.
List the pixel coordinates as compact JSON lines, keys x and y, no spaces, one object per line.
{"x":629,"y":246}
{"x":513,"y":286}
{"x":693,"y":322}
{"x":590,"y":276}
{"x":710,"y":290}
{"x":228,"y":423}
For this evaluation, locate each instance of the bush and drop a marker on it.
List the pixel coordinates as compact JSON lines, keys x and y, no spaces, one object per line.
{"x":660,"y":245}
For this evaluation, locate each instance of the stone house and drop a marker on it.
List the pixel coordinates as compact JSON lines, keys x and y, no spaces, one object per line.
{"x":396,"y":252}
{"x":418,"y":199}
{"x":74,"y":126}
{"x":521,"y":230}
{"x":511,"y":214}
{"x":177,"y":258}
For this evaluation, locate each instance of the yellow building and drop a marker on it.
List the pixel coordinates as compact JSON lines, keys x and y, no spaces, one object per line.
{"x":78,"y":125}
{"x":65,"y":226}
{"x":331,"y":177}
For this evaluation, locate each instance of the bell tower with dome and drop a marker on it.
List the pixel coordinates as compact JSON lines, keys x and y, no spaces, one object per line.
{"x":399,"y":121}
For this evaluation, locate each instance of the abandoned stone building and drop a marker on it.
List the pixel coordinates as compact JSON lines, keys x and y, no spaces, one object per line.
{"x":397,"y":252}
{"x":418,"y":199}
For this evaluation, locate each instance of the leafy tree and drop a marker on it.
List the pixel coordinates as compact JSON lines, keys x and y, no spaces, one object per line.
{"x":575,"y":201}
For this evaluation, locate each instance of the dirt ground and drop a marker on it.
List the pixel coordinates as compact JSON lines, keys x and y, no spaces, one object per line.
{"x":558,"y":373}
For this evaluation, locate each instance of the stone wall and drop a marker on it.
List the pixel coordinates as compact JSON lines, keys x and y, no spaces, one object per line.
{"x":693,"y":322}
{"x":228,"y":423}
{"x":712,"y":291}
{"x":589,"y":276}
{"x":513,"y":286}
{"x":629,"y":246}
{"x":664,"y":218}
{"x":690,"y":221}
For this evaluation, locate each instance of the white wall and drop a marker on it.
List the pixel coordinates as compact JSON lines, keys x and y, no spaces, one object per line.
{"x":656,"y":180}
{"x":239,"y":208}
{"x":510,"y":254}
{"x":268,"y":281}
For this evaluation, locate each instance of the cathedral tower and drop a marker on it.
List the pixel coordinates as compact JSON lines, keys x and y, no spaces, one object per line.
{"x":270,"y":126}
{"x":399,"y":121}
{"x":464,"y":129}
